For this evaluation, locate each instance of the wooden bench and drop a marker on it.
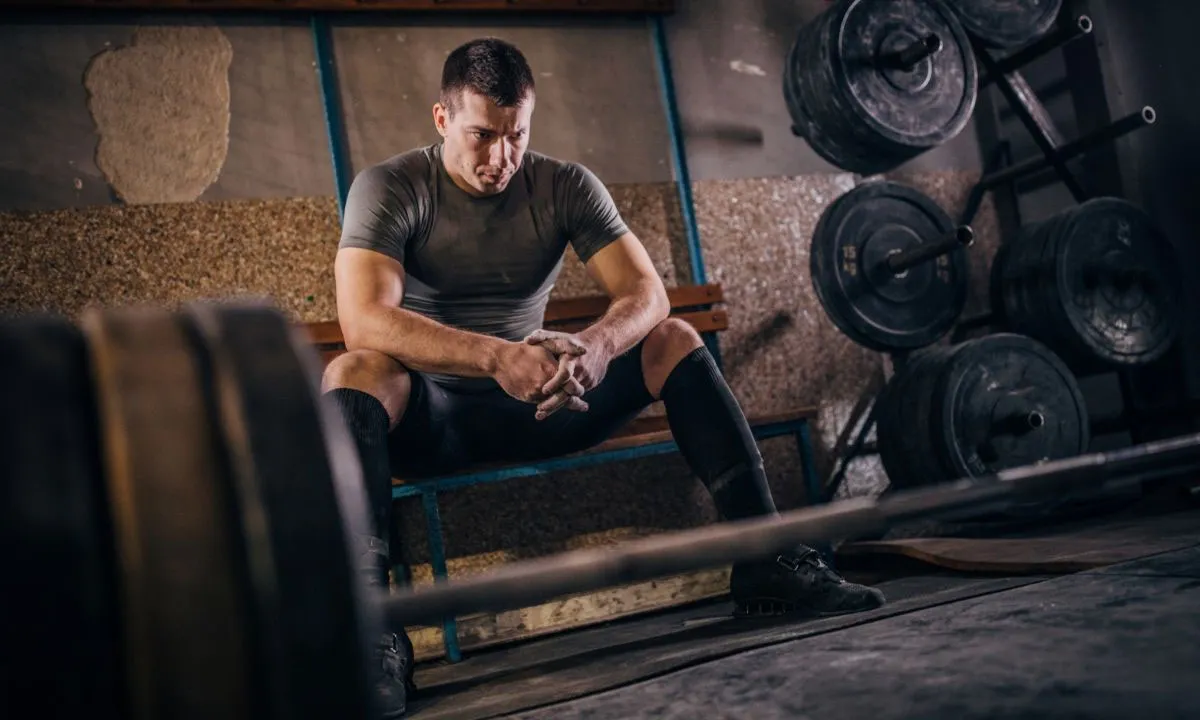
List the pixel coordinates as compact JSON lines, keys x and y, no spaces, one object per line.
{"x":645,"y":436}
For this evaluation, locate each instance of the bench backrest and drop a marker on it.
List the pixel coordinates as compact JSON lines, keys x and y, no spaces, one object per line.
{"x":692,"y":303}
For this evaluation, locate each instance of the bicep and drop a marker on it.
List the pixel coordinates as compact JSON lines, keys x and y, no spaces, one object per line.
{"x":623,"y":266}
{"x":364,"y":280}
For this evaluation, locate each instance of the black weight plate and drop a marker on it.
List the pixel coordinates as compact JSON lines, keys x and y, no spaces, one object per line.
{"x":1118,"y":283}
{"x":904,"y":433}
{"x":857,"y":107}
{"x":1004,"y":401}
{"x":1006,"y":24}
{"x":59,"y":596}
{"x":1044,"y":319}
{"x":925,"y":461}
{"x":1024,"y":277}
{"x":181,"y":569}
{"x":302,"y":512}
{"x":820,"y":113}
{"x":899,"y":436}
{"x":923,"y":106}
{"x":878,"y":309}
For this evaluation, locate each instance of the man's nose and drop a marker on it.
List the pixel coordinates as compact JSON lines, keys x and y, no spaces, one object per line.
{"x":497,"y":150}
{"x":500,"y":151}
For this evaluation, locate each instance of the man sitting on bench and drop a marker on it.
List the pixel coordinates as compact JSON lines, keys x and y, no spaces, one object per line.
{"x":447,"y":256}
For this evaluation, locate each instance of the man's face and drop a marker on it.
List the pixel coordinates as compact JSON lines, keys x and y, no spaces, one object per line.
{"x":484,"y":144}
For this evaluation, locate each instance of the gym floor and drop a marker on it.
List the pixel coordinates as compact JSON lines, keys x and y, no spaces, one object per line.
{"x":1117,"y":641}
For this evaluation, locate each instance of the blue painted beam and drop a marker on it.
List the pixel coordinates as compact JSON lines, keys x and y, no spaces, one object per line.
{"x":666,"y":84}
{"x":331,"y":103}
{"x":683,"y":180}
{"x":456,"y":482}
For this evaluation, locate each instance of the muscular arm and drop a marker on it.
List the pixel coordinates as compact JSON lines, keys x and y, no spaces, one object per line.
{"x":370,"y":286}
{"x":625,"y":272}
{"x":614,"y":258}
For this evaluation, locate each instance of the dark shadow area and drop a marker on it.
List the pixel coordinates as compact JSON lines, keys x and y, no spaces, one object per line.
{"x":734,"y":359}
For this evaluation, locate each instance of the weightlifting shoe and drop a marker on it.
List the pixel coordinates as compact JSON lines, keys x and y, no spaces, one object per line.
{"x":394,"y":667}
{"x":799,"y":583}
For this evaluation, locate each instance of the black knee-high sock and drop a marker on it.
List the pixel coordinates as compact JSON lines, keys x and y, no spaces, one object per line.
{"x":367,"y":421}
{"x":714,"y":437}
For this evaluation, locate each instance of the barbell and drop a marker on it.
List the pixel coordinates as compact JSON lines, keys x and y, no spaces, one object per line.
{"x":977,"y":407}
{"x":181,"y":516}
{"x":888,"y":266}
{"x":871,"y":84}
{"x":1098,"y":283}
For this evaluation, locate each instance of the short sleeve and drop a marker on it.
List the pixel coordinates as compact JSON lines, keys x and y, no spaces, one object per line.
{"x":379,"y":213}
{"x":586,"y":211}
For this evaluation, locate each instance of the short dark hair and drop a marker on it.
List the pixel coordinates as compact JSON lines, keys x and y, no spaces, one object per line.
{"x":490,"y":67}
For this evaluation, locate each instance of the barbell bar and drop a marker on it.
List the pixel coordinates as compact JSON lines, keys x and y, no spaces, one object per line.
{"x":908,"y":57}
{"x":1042,"y":46}
{"x":1119,"y":128}
{"x":960,"y":237}
{"x":529,"y":582}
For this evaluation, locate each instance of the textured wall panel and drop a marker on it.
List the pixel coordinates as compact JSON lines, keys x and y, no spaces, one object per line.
{"x":168,"y":253}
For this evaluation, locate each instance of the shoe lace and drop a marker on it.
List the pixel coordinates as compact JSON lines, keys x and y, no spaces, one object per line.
{"x":392,"y":661}
{"x":811,"y":561}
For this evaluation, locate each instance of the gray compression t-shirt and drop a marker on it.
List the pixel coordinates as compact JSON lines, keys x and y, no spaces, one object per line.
{"x":485,"y":265}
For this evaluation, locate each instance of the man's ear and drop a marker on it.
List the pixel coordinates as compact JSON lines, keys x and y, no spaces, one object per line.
{"x":440,"y":118}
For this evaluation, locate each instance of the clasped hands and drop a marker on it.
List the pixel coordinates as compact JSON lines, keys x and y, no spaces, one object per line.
{"x":553,"y":369}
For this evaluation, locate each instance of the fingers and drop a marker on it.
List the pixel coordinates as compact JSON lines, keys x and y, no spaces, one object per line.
{"x":566,"y":366}
{"x":539,"y":336}
{"x":558,"y":343}
{"x":558,"y":402}
{"x":573,"y":387}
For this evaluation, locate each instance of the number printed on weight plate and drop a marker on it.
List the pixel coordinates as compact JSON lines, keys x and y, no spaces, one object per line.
{"x":850,"y":260}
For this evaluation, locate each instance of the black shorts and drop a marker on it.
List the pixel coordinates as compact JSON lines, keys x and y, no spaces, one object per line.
{"x":446,"y":429}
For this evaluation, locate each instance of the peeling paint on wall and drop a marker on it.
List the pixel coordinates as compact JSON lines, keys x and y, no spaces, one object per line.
{"x":161,"y":109}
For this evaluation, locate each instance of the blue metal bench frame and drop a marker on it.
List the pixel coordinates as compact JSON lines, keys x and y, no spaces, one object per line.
{"x":428,"y":489}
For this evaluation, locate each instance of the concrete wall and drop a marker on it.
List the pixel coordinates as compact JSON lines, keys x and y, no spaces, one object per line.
{"x":277,"y":145}
{"x":599,"y":107}
{"x":47,"y":160}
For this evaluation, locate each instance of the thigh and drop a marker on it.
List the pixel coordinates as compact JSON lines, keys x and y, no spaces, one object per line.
{"x":427,"y":440}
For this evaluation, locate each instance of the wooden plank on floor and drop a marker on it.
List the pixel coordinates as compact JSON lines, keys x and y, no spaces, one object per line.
{"x":1082,"y":549}
{"x":489,"y":629}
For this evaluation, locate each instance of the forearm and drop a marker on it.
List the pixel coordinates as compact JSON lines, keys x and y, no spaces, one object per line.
{"x":628,"y":319}
{"x":422,"y":344}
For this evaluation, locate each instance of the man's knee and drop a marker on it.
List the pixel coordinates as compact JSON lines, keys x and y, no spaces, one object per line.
{"x":371,"y":372}
{"x":669,"y":342}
